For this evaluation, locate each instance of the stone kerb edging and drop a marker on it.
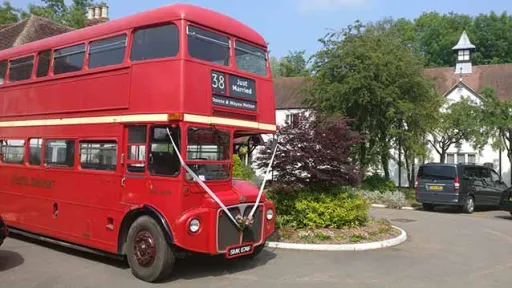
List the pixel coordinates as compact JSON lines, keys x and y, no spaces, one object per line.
{"x":343,"y":247}
{"x":386,"y":206}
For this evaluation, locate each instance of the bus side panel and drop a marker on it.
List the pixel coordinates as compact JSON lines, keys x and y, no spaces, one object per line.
{"x":148,"y":92}
{"x":69,"y":95}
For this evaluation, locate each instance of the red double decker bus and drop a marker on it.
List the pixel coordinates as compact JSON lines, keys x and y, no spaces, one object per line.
{"x":118,"y":138}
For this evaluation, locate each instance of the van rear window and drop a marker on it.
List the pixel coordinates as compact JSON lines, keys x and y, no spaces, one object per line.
{"x":437,"y":172}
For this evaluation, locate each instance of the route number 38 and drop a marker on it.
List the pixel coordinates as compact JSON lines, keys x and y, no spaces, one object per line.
{"x":218,"y":82}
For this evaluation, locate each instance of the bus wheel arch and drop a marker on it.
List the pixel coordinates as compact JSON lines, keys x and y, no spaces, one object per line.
{"x":132,"y":216}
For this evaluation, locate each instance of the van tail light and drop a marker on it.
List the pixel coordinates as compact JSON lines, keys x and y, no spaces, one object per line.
{"x":417,"y":184}
{"x":457,"y":183}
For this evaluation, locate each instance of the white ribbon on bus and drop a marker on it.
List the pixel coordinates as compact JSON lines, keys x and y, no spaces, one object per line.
{"x":196,"y":178}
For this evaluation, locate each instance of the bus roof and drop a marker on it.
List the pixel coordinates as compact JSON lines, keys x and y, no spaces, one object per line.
{"x":192,"y":13}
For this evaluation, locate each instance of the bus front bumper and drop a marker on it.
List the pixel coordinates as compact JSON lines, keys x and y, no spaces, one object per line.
{"x":217,"y":234}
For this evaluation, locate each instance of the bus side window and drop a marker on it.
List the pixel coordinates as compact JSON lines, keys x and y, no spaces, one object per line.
{"x":13,"y":151}
{"x":137,"y":148}
{"x":34,"y":151}
{"x":69,"y":59}
{"x":155,"y":42}
{"x":21,"y":69}
{"x":43,"y":65}
{"x":3,"y":70}
{"x":60,"y":153}
{"x":98,"y":155}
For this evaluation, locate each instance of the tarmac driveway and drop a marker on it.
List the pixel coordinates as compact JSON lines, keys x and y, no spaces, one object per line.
{"x":444,"y":249}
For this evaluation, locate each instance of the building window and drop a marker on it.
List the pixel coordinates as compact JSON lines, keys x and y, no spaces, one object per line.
{"x":13,"y":151}
{"x":463,"y":55}
{"x":155,"y":42}
{"x":70,"y":59}
{"x":450,"y":158}
{"x":98,"y":155}
{"x":107,"y":52}
{"x":293,"y":119}
{"x":461,"y":158}
{"x":137,"y":148}
{"x":34,"y":151}
{"x":43,"y":64}
{"x":21,"y":69}
{"x":60,"y":153}
{"x":471,"y":158}
{"x":208,"y":46}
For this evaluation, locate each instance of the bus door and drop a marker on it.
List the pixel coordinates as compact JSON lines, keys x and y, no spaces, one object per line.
{"x":134,"y":182}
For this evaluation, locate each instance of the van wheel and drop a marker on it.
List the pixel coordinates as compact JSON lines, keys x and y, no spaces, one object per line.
{"x":428,"y":207}
{"x":150,"y":257}
{"x":469,"y":205}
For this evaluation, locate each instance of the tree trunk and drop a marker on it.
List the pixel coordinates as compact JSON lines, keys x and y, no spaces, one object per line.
{"x":362,"y":162}
{"x":412,"y":178}
{"x":442,"y":157}
{"x":384,"y":160}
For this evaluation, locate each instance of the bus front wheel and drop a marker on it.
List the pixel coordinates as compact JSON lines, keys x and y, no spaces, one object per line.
{"x":150,"y":257}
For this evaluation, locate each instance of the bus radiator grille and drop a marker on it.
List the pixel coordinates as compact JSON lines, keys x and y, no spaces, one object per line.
{"x":229,"y":235}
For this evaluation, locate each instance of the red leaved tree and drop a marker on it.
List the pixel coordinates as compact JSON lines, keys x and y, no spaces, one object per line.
{"x":313,"y":150}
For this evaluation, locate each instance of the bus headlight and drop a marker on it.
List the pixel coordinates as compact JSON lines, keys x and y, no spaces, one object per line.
{"x":270,"y":214}
{"x":194,"y":225}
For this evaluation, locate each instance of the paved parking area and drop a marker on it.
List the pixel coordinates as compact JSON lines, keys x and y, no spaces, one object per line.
{"x":445,"y":249}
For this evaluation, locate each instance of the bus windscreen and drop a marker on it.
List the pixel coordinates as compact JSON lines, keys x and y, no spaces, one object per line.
{"x":250,"y":58}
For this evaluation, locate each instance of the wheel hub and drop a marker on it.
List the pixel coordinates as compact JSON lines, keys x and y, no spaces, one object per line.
{"x":144,"y":248}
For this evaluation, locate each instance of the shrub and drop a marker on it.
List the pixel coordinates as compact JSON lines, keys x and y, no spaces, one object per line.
{"x":314,"y":150}
{"x":242,"y":171}
{"x":395,"y":199}
{"x":376,"y":182}
{"x":307,"y":208}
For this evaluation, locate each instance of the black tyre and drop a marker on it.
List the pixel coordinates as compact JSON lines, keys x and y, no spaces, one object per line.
{"x":428,"y":207}
{"x":149,"y":255}
{"x":469,"y":205}
{"x":510,"y":213}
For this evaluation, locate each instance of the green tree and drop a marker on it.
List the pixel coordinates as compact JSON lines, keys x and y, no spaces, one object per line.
{"x":498,"y":121}
{"x":294,"y":64}
{"x":462,"y":121}
{"x":369,"y":75}
{"x":73,"y":15}
{"x":9,"y":14}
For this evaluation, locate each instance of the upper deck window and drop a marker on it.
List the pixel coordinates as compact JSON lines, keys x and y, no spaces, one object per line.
{"x":208,"y":46}
{"x":21,"y":69}
{"x":155,"y":42}
{"x":107,"y":52}
{"x":69,"y":59}
{"x":250,"y":58}
{"x":3,"y":70}
{"x":43,"y":65}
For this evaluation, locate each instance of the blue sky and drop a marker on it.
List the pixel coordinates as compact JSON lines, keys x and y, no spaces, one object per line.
{"x":298,"y":24}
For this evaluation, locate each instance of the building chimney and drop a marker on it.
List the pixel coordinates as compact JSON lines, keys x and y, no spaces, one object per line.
{"x":90,"y":13}
{"x":104,"y":11}
{"x":97,"y":14}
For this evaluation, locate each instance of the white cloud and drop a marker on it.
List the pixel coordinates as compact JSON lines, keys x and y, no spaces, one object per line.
{"x":310,"y":5}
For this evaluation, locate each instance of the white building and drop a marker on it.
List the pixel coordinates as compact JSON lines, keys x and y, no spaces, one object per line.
{"x":463,"y":80}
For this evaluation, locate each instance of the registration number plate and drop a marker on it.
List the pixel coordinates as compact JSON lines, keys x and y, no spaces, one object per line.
{"x":435,"y":187}
{"x":237,"y":251}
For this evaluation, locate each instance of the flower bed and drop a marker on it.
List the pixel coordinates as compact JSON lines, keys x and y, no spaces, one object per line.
{"x":374,"y":231}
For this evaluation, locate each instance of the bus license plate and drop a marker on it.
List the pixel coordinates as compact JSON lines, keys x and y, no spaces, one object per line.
{"x":435,"y":187}
{"x":236,"y":251}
